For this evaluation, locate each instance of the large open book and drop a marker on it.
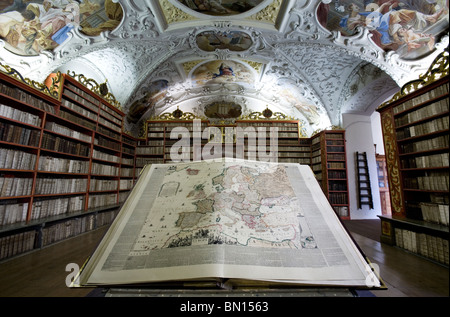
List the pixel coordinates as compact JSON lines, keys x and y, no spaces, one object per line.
{"x":229,"y":220}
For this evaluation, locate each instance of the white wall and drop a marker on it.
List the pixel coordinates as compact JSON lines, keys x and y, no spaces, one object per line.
{"x":359,"y":138}
{"x":377,"y":133}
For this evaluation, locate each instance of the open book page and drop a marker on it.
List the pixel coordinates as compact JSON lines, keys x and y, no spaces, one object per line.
{"x":229,"y":219}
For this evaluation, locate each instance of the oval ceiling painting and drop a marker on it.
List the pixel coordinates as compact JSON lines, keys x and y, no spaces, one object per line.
{"x":220,"y":7}
{"x":29,"y":27}
{"x":411,"y":28}
{"x":222,"y":71}
{"x":235,"y":41}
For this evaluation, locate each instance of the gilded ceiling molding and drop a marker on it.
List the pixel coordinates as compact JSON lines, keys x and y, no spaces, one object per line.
{"x":100,"y":89}
{"x":269,"y":14}
{"x":188,"y":66}
{"x":438,"y":69}
{"x":13,"y":73}
{"x":174,"y":14}
{"x":257,"y":66}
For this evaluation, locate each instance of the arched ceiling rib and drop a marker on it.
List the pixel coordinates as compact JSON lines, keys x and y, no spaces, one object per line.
{"x":162,"y":54}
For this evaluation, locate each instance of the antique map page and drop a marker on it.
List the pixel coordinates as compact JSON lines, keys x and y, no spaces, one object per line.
{"x":227,"y":219}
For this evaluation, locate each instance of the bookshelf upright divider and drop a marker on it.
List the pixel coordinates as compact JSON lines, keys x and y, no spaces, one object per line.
{"x":65,"y":163}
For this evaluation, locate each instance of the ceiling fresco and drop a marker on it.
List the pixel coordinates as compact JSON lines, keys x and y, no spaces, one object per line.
{"x":29,"y":27}
{"x":410,"y":28}
{"x":311,"y":60}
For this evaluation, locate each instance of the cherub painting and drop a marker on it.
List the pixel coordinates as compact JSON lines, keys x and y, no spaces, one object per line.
{"x":29,"y":27}
{"x":411,"y":28}
{"x":220,"y":71}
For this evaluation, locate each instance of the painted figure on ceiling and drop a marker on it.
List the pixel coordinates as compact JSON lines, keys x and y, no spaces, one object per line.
{"x":29,"y":27}
{"x":408,"y":27}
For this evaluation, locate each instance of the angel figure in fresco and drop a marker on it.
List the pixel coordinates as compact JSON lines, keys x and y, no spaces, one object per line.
{"x":224,"y":70}
{"x":383,"y":21}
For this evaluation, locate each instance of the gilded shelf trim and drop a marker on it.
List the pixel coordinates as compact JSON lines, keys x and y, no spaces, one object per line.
{"x":100,"y":89}
{"x":392,"y":163}
{"x":438,"y":69}
{"x":13,"y":73}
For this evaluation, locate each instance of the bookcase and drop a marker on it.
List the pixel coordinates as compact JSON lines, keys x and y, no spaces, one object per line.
{"x":65,"y":163}
{"x":329,"y":164}
{"x":325,"y":152}
{"x":415,"y":124}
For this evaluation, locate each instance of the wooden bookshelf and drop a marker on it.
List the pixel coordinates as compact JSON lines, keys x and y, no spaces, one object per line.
{"x":329,"y":163}
{"x":415,"y":127}
{"x":65,"y":164}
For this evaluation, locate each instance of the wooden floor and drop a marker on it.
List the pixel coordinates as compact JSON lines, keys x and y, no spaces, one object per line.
{"x":43,"y":273}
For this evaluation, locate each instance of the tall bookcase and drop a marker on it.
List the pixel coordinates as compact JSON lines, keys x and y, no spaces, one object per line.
{"x":325,"y":152}
{"x":65,"y":164}
{"x":329,"y":164}
{"x":415,"y":125}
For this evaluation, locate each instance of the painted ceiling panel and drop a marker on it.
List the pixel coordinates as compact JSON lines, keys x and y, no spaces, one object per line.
{"x":310,"y":59}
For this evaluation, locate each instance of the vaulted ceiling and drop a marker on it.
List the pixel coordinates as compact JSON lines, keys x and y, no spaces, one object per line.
{"x":288,"y":55}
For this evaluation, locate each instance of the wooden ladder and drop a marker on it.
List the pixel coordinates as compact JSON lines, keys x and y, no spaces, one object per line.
{"x":364,"y":189}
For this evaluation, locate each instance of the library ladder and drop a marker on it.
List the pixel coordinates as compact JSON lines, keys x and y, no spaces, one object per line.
{"x":364,"y":188}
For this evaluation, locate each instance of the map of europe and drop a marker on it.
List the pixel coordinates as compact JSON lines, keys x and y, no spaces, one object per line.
{"x":237,"y":204}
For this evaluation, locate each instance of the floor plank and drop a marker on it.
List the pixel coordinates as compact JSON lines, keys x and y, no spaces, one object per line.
{"x":43,"y":273}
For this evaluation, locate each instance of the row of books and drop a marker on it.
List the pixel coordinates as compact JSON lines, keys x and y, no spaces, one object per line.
{"x":16,"y":159}
{"x":78,"y":109}
{"x":126,"y":184}
{"x":127,"y":150}
{"x":433,"y":109}
{"x":111,"y":117}
{"x":335,"y":149}
{"x":109,"y":124}
{"x":13,"y":212}
{"x":336,"y":157}
{"x":123,"y":196}
{"x":82,"y":97}
{"x":17,"y":243}
{"x":337,"y":186}
{"x":435,"y":248}
{"x":126,"y":172}
{"x":52,"y":126}
{"x":59,"y":144}
{"x":334,"y":142}
{"x":99,"y":140}
{"x":336,"y":164}
{"x":436,"y":213}
{"x":102,"y":169}
{"x":142,"y":161}
{"x":12,"y":186}
{"x":431,"y":181}
{"x":128,"y":161}
{"x":149,"y":150}
{"x":334,"y":136}
{"x":106,"y":218}
{"x":43,"y":208}
{"x":63,"y":230}
{"x":99,"y":200}
{"x":434,"y":160}
{"x":79,"y":93}
{"x":306,"y":149}
{"x":439,"y":124}
{"x":19,"y":115}
{"x":341,"y":211}
{"x":26,"y":97}
{"x":47,"y":186}
{"x":100,"y":155}
{"x":76,"y":119}
{"x":434,"y":93}
{"x":108,"y":132}
{"x":17,"y":134}
{"x":337,"y":174}
{"x":103,"y":184}
{"x":338,"y":198}
{"x":299,"y":160}
{"x":56,"y":164}
{"x":438,"y":142}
